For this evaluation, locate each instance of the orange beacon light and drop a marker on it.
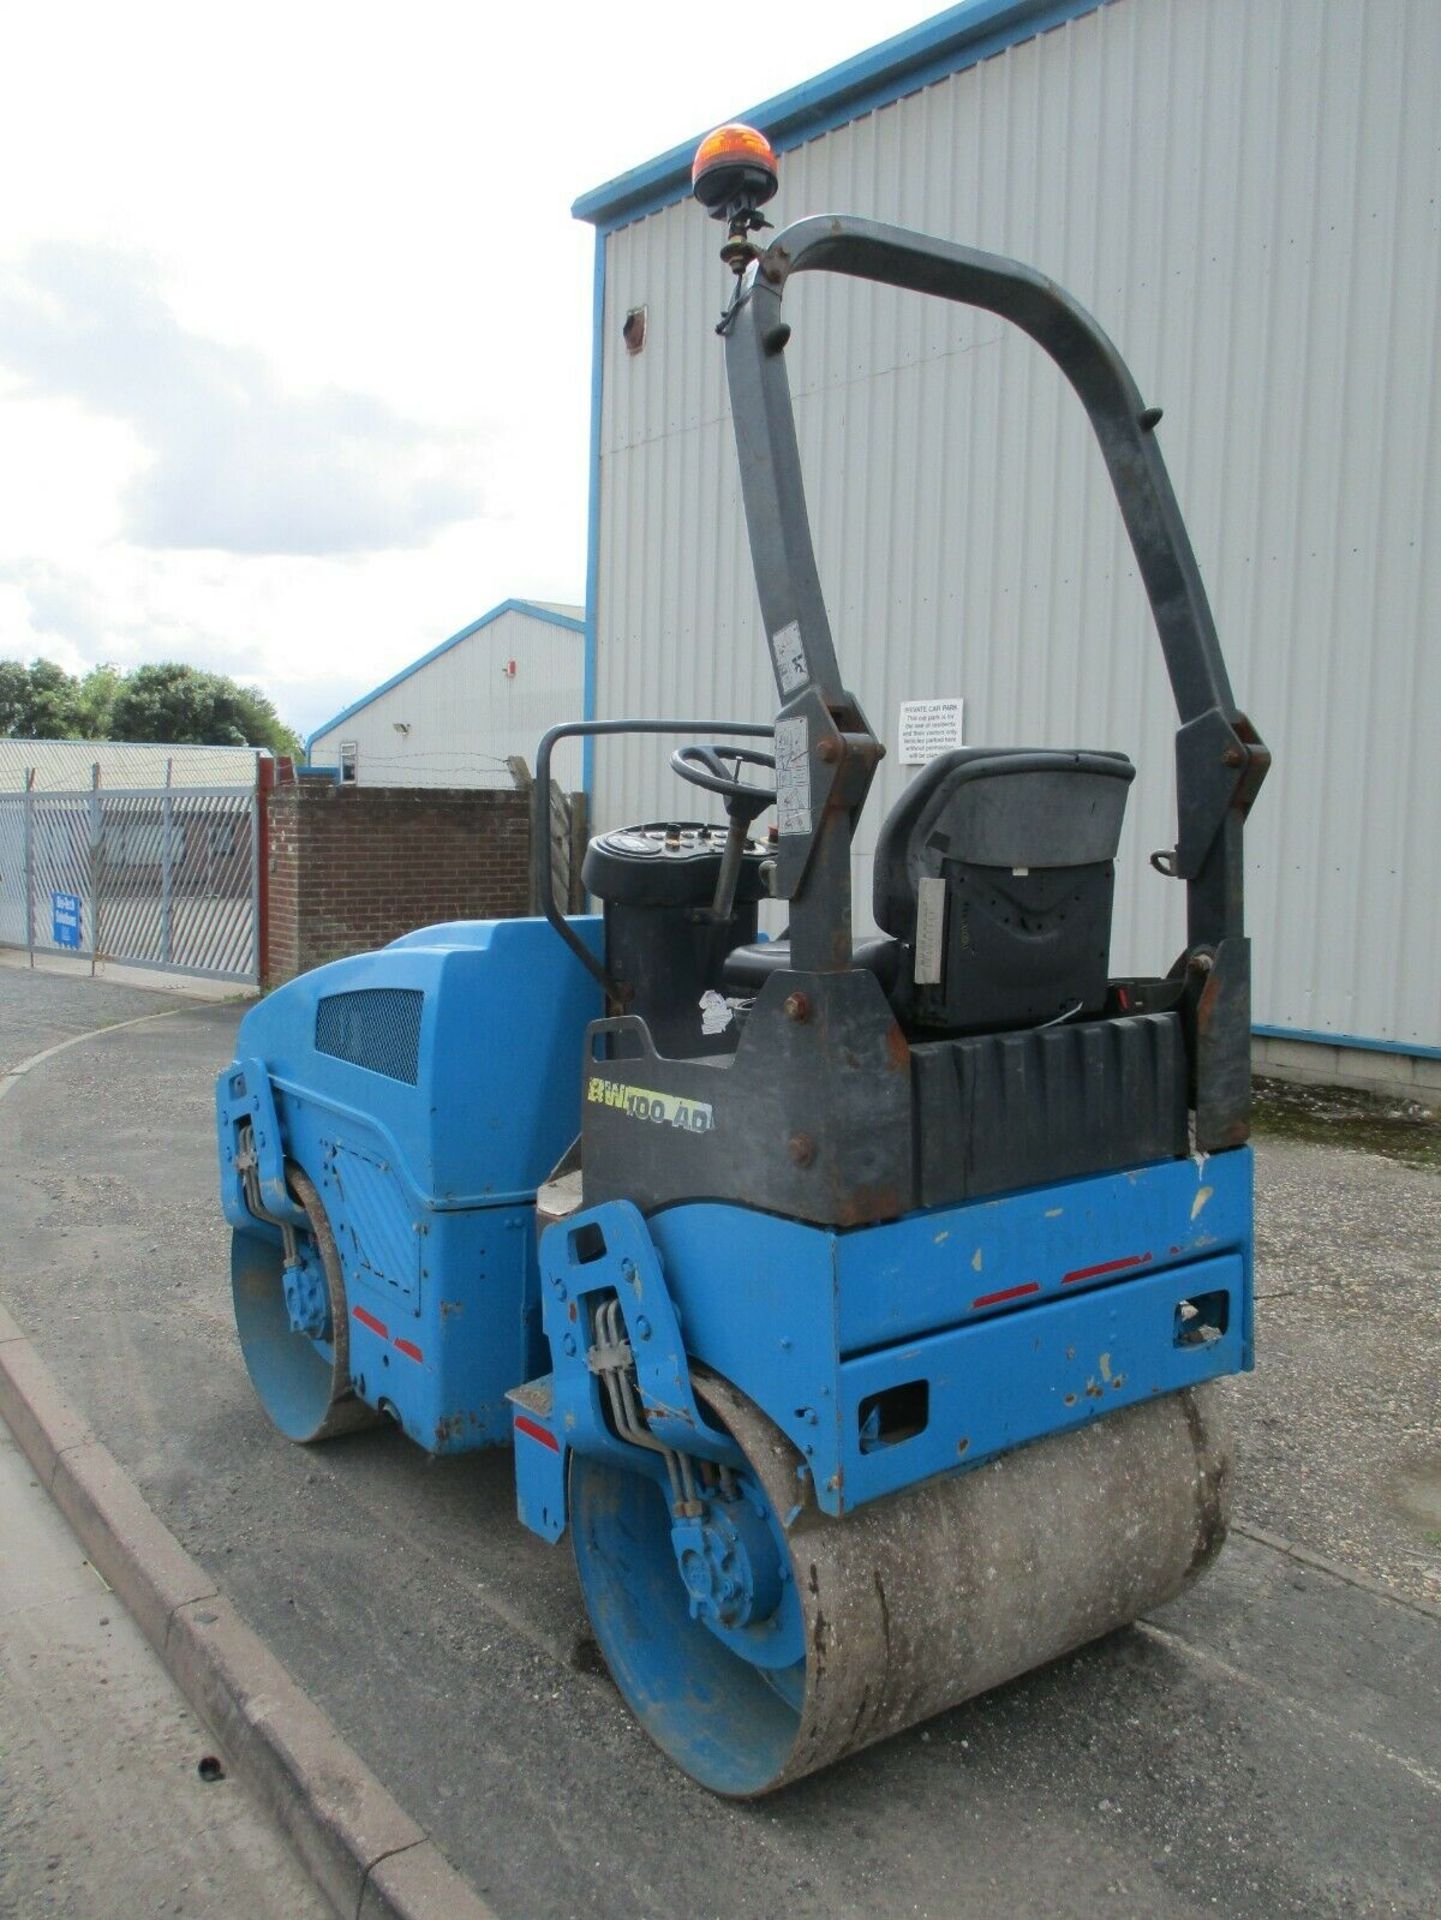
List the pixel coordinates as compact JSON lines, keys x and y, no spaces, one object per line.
{"x":735,"y":164}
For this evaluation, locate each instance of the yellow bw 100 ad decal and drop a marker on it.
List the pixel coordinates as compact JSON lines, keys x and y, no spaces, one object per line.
{"x":665,"y":1109}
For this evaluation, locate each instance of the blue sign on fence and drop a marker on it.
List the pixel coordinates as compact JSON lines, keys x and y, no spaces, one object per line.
{"x":65,"y":919}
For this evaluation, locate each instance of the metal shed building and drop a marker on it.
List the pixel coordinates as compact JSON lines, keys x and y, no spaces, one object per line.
{"x":455,"y":716}
{"x":69,"y":765}
{"x":1249,"y":200}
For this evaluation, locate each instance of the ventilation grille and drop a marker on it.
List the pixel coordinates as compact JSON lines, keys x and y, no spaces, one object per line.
{"x":378,"y":1028}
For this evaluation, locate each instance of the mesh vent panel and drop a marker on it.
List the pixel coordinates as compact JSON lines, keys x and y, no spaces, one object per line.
{"x":377,"y":1027}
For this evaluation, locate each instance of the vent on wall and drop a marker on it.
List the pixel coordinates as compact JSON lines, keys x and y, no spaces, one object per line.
{"x":376,"y":1027}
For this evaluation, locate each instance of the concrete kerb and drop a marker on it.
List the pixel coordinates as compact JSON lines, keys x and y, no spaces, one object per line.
{"x":1336,"y":1570}
{"x":353,"y":1836}
{"x":39,"y":1418}
{"x":366,"y":1853}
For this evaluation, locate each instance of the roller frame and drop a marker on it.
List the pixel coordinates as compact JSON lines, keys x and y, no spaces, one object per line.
{"x":1024,"y":1316}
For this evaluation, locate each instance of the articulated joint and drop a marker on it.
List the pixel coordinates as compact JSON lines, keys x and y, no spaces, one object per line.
{"x":620,"y":1390}
{"x":253,"y":1183}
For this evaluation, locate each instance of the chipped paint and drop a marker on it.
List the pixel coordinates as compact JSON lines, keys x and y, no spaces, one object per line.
{"x":941,"y":1238}
{"x":976,"y":1259}
{"x":1054,"y":1213}
{"x":1203,"y":1194}
{"x":1105,"y":1366}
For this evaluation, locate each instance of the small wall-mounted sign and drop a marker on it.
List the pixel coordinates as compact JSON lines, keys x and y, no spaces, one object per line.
{"x":929,"y":727}
{"x":65,"y":919}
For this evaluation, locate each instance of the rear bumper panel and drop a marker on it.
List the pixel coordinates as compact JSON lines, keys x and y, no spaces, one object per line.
{"x":996,"y":1384}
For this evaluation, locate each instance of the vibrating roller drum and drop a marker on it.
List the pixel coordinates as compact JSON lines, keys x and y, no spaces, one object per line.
{"x":290,"y":1314}
{"x":909,"y":1606}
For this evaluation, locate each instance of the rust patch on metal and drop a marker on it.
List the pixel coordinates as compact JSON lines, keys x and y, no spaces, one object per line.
{"x":861,"y":1206}
{"x":452,"y":1426}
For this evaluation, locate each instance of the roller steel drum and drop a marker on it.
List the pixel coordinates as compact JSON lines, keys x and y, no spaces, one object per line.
{"x":909,"y":1606}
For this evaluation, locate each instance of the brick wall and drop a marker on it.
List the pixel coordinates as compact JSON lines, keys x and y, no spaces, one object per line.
{"x":353,"y":867}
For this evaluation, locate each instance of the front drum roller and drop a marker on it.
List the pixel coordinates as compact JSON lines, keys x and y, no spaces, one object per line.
{"x":302,"y":1378}
{"x":909,"y":1606}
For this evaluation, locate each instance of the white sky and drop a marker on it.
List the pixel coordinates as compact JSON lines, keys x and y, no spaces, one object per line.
{"x":295,"y":323}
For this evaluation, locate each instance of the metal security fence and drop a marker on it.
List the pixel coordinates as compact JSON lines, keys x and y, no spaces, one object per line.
{"x":165,"y":877}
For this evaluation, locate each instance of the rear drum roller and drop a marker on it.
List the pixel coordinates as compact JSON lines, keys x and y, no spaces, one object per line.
{"x":909,"y":1606}
{"x":293,"y":1323}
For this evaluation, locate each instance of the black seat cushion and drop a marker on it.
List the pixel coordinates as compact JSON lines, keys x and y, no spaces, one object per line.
{"x":1010,"y":851}
{"x":748,"y":968}
{"x":1004,"y":807}
{"x":1023,"y":841}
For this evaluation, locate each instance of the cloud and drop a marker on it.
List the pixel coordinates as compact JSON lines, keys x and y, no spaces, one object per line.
{"x":59,"y":605}
{"x":237,"y":462}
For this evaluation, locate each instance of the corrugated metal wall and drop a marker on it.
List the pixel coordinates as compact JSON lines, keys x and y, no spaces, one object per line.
{"x":1249,"y":199}
{"x":465,"y":715}
{"x":66,"y":765}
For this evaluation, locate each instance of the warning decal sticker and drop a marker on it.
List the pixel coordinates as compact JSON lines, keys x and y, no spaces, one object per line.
{"x":789,"y":657}
{"x":793,"y":775}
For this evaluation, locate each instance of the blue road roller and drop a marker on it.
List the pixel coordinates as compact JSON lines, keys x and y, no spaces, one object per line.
{"x":851,"y":1302}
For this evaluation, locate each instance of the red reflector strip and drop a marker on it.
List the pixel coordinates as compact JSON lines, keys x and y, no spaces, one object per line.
{"x":369,"y":1320}
{"x":1106,"y":1266}
{"x":525,"y":1425}
{"x":409,"y":1348}
{"x":1006,"y":1293}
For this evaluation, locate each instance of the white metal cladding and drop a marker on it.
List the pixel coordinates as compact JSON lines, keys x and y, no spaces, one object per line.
{"x":1247,"y":198}
{"x":464,"y":713}
{"x":68,"y":765}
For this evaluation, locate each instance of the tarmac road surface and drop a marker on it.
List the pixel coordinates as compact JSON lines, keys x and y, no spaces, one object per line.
{"x":1269,"y":1745}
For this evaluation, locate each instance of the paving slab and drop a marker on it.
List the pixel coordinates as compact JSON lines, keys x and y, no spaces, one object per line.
{"x":1269,"y":1745}
{"x":102,"y":1806}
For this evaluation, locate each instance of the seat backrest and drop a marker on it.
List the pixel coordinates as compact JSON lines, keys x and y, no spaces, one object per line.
{"x":1022,"y":841}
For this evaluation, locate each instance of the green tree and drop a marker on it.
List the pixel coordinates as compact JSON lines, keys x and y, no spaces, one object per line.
{"x":14,"y":698}
{"x":95,"y":697}
{"x":181,"y":705}
{"x":38,"y":702}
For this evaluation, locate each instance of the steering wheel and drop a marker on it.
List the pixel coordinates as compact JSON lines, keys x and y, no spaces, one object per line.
{"x":705,"y":767}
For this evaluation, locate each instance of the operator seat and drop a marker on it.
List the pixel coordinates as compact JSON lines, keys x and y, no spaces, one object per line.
{"x":994,"y":875}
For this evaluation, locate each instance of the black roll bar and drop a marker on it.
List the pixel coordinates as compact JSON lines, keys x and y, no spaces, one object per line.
{"x":895,"y":257}
{"x":829,"y":747}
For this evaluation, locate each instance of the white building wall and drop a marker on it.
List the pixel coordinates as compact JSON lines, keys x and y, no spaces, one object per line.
{"x":1248,"y":197}
{"x":454,"y":719}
